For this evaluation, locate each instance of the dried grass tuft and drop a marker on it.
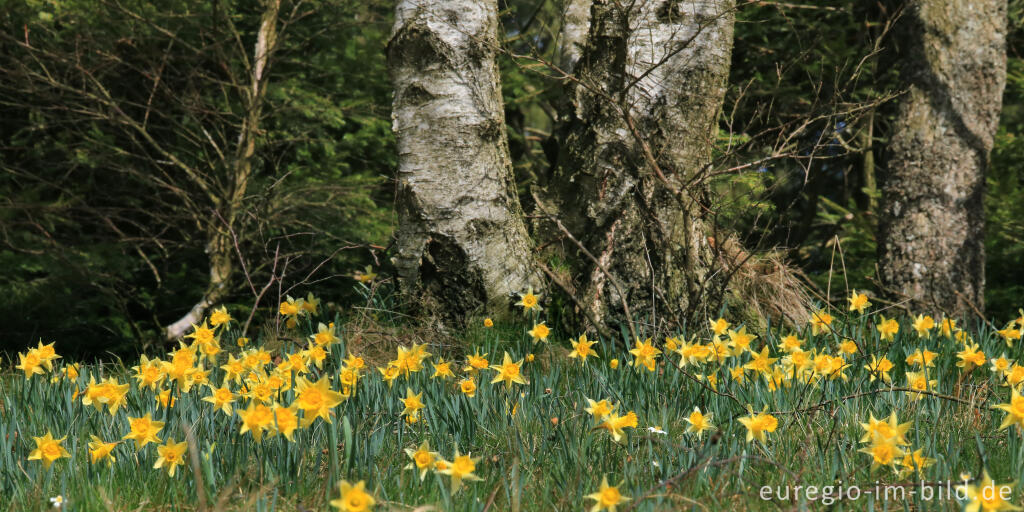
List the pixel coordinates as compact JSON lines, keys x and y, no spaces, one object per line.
{"x":376,"y":342}
{"x":765,"y":284}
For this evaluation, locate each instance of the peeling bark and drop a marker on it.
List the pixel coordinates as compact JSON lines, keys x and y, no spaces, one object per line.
{"x":637,"y":137}
{"x":953,"y":54}
{"x":575,"y":27}
{"x":461,"y":244}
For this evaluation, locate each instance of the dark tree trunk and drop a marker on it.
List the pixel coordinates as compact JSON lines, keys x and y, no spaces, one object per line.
{"x":637,"y":136}
{"x":953,"y":55}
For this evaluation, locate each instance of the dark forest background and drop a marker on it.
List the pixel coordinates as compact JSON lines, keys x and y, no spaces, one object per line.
{"x":101,"y":232}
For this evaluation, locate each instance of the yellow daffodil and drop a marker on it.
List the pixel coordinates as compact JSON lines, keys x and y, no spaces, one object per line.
{"x":468,"y":387}
{"x":925,"y":358}
{"x":923,"y":324}
{"x":879,"y":368}
{"x":692,"y":353}
{"x":365,"y":276}
{"x":31,"y":364}
{"x":348,"y":377}
{"x":719,"y":326}
{"x":257,"y":419}
{"x":100,"y":450}
{"x":442,"y":369}
{"x":353,"y":498}
{"x":422,"y":459}
{"x":48,"y":449}
{"x":848,"y":347}
{"x":529,"y":301}
{"x":883,"y":453}
{"x":539,"y":332}
{"x":970,"y":357}
{"x":645,"y":354}
{"x":69,"y":372}
{"x":790,"y":343}
{"x":143,"y":430}
{"x":476,"y":362}
{"x":759,"y":425}
{"x":171,"y":455}
{"x":987,"y":496}
{"x":311,"y":304}
{"x":412,"y":402}
{"x":1000,"y":365}
{"x":599,"y":409}
{"x":887,"y":327}
{"x":889,"y":429}
{"x":1010,"y":335}
{"x":699,"y":422}
{"x":947,"y":327}
{"x":324,"y":335}
{"x":316,"y":354}
{"x":740,"y":340}
{"x":286,"y":421}
{"x":220,"y":317}
{"x":1014,"y":411}
{"x":290,"y":307}
{"x":607,"y":497}
{"x":913,"y":462}
{"x":616,"y":425}
{"x":47,"y":354}
{"x":110,"y":392}
{"x":918,"y":381}
{"x":461,"y":468}
{"x":509,"y":372}
{"x":389,"y":374}
{"x":821,"y":322}
{"x":760,"y":362}
{"x":149,"y":372}
{"x":202,"y":333}
{"x":581,"y":348}
{"x":315,"y":400}
{"x":354,"y":361}
{"x":858,"y":302}
{"x":164,"y":399}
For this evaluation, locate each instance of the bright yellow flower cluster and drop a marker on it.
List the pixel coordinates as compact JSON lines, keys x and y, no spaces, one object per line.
{"x":252,"y":376}
{"x":887,"y":445}
{"x":605,"y":417}
{"x":460,"y":468}
{"x":293,"y":309}
{"x":38,"y":361}
{"x":266,"y":394}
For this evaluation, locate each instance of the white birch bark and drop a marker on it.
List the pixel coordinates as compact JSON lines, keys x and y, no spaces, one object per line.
{"x":461,"y":243}
{"x":573,"y":36}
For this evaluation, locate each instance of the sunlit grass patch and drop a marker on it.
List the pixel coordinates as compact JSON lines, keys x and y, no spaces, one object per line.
{"x":704,"y":419}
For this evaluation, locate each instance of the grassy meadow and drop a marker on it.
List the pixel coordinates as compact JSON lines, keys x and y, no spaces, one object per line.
{"x":521,"y":417}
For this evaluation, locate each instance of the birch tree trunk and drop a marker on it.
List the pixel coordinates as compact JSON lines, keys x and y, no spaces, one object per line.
{"x":637,"y":140}
{"x":461,"y":243}
{"x":953,"y":55}
{"x":573,"y":36}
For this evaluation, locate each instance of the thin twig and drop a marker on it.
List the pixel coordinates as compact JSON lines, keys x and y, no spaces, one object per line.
{"x":583,"y":248}
{"x":706,"y":463}
{"x":877,"y":391}
{"x":601,"y":328}
{"x":259,"y":296}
